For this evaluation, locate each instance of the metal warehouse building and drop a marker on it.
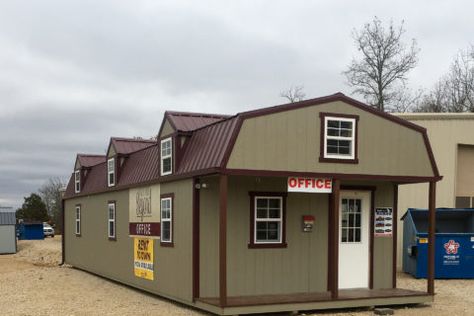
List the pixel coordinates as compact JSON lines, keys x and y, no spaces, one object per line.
{"x":452,"y":139}
{"x":286,"y":208}
{"x":7,"y":230}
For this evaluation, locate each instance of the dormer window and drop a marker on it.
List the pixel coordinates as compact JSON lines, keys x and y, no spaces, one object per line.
{"x":166,"y":156}
{"x":339,"y":138}
{"x":111,"y":172}
{"x":77,"y":181}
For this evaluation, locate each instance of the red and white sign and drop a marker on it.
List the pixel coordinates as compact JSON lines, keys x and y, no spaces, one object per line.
{"x":309,"y":185}
{"x":451,"y":247}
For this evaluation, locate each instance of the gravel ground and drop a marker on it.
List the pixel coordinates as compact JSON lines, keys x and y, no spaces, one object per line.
{"x":32,"y":283}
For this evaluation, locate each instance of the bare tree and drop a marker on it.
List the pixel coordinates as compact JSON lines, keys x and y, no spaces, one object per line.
{"x":382,"y":70}
{"x":294,"y":94}
{"x":454,"y":92}
{"x":405,"y":99}
{"x":50,"y":193}
{"x":434,"y":101}
{"x":460,"y":82}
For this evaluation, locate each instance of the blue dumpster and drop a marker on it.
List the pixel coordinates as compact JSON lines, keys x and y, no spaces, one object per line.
{"x":454,"y":243}
{"x":30,"y":231}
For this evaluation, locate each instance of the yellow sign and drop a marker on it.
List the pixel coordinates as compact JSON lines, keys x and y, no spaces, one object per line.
{"x":423,"y":240}
{"x":143,"y":258}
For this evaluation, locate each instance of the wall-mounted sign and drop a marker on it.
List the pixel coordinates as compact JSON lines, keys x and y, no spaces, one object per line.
{"x":383,"y":226}
{"x":144,"y":211}
{"x":308,"y":223}
{"x":309,"y":185}
{"x":143,"y":258}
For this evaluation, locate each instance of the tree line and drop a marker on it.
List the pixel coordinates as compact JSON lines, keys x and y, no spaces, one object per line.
{"x":45,"y":205}
{"x":379,"y":74}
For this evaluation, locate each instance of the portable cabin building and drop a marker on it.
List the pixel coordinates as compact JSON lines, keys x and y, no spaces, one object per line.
{"x":7,"y":230}
{"x":454,"y":243}
{"x":30,"y":231}
{"x":278,"y":209}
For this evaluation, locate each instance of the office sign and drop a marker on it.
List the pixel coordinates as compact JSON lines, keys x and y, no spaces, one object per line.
{"x":309,"y":185}
{"x":144,"y":211}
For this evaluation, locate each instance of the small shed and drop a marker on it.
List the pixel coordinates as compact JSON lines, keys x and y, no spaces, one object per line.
{"x":30,"y":231}
{"x":454,"y":243}
{"x":7,"y":230}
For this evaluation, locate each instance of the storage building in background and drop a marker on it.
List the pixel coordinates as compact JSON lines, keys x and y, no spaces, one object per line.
{"x":7,"y":230}
{"x":452,"y":139}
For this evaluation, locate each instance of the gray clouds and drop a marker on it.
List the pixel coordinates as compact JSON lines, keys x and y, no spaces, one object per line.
{"x":74,"y":73}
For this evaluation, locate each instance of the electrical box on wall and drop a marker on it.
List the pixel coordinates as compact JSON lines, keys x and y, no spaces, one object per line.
{"x":308,"y":223}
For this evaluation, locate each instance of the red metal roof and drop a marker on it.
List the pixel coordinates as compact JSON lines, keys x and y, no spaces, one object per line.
{"x":207,"y":146}
{"x":187,"y":121}
{"x":129,"y":145}
{"x":141,"y":166}
{"x":90,"y":160}
{"x":96,"y":180}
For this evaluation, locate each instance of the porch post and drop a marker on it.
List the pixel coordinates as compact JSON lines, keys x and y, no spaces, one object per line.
{"x":196,"y":238}
{"x":394,"y":235}
{"x":223,"y":240}
{"x":333,"y":241}
{"x":431,"y":237}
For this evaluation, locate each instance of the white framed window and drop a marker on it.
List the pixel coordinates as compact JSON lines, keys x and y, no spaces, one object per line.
{"x":268,"y":220}
{"x":166,"y":214}
{"x":111,"y":172}
{"x":166,"y":156}
{"x":339,"y":137}
{"x":351,"y":221}
{"x":78,"y":220}
{"x":111,"y":220}
{"x":77,"y":181}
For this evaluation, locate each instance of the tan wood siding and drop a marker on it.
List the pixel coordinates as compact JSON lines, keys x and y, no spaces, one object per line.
{"x":302,"y":266}
{"x":383,"y":246}
{"x":176,"y":262}
{"x":111,"y":152}
{"x":94,"y":252}
{"x":167,"y":129}
{"x":209,"y":238}
{"x":290,"y":141}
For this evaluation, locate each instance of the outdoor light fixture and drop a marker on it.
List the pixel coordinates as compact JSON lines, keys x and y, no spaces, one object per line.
{"x":200,"y":186}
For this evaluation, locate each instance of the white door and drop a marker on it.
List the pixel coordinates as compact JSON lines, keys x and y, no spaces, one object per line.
{"x":354,"y":216}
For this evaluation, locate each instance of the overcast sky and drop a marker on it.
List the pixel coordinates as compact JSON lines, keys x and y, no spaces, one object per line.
{"x":74,"y":73}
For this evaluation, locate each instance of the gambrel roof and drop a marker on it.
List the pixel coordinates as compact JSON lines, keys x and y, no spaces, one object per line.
{"x":208,"y":141}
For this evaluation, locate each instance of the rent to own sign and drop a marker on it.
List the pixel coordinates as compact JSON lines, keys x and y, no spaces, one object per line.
{"x":309,"y":185}
{"x":143,"y":258}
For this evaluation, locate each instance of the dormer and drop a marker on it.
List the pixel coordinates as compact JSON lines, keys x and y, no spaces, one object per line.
{"x":118,"y":152}
{"x":175,"y":131}
{"x":111,"y":164}
{"x":84,"y":163}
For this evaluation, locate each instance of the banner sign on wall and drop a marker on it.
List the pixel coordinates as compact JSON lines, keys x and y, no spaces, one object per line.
{"x":383,"y":222}
{"x":309,"y":185}
{"x":144,"y":211}
{"x":143,"y":258}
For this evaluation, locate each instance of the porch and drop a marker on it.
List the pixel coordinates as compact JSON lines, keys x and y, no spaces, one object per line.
{"x":350,"y":298}
{"x":325,"y":291}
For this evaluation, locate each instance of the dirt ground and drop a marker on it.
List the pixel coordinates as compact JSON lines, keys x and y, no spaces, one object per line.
{"x":32,"y":283}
